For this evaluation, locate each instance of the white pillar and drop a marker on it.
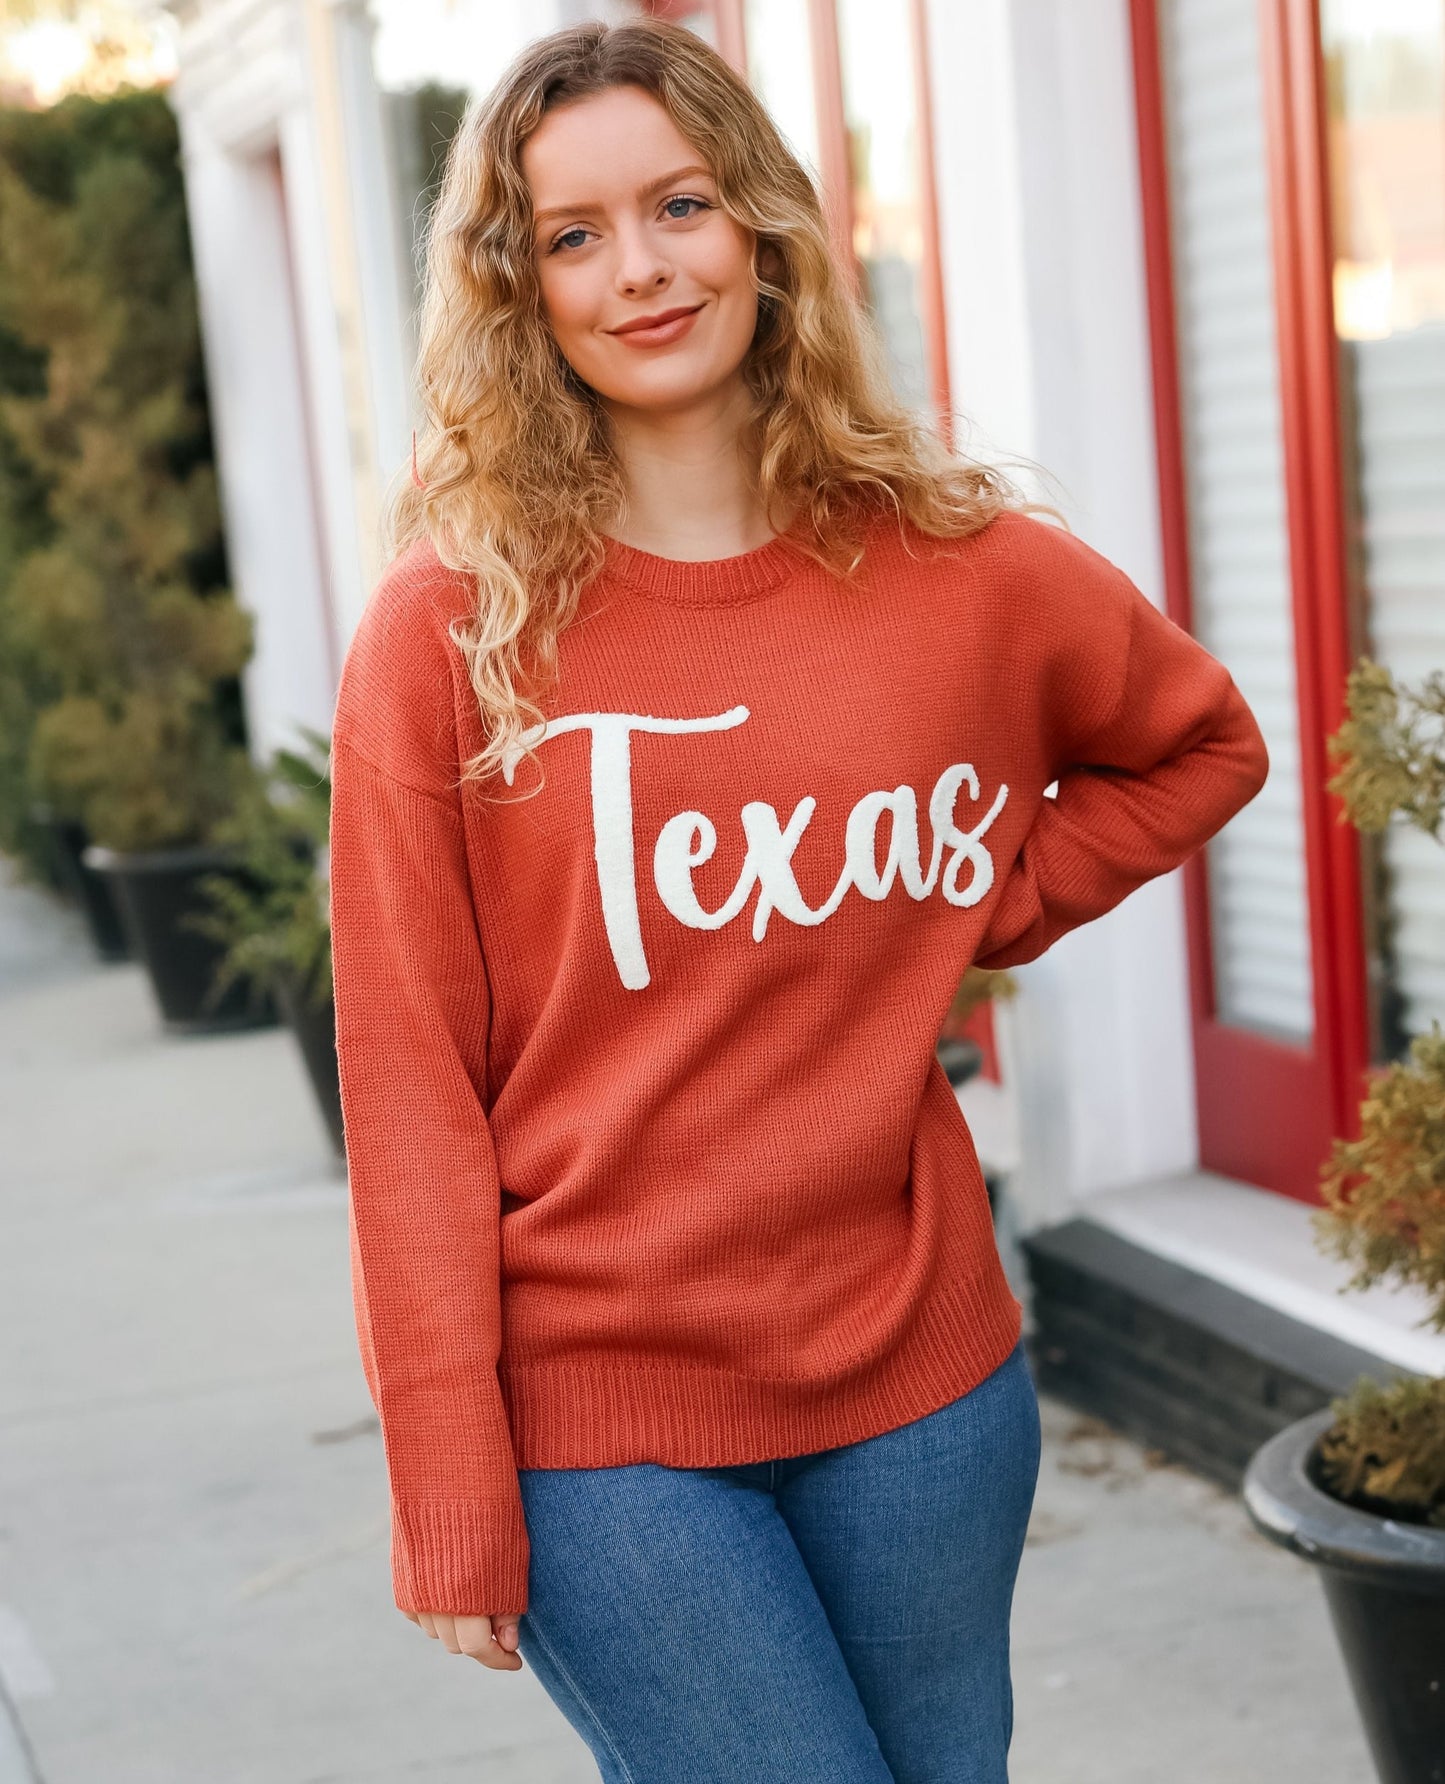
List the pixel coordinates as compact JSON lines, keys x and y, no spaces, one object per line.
{"x":254,"y":378}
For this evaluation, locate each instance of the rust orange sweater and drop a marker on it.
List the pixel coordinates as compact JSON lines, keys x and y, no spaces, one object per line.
{"x":651,"y":1155}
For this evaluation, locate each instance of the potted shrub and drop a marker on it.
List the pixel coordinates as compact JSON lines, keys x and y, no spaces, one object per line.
{"x":67,"y":840}
{"x":1359,"y":1488}
{"x":154,"y":780}
{"x":275,"y":924}
{"x":119,"y":602}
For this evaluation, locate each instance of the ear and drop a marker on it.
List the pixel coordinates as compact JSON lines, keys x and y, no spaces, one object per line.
{"x":768,"y":260}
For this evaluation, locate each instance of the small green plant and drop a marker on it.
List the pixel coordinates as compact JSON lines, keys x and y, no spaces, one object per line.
{"x":1391,"y":751}
{"x":1385,"y":1451}
{"x":273,"y":920}
{"x":1384,"y":1193}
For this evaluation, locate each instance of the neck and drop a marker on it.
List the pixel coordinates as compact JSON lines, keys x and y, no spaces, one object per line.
{"x":691,"y":482}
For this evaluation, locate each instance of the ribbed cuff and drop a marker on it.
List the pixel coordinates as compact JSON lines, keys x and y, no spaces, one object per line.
{"x":457,"y":1556}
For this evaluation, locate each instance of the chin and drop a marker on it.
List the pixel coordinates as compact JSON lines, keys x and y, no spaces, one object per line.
{"x":661,"y":393}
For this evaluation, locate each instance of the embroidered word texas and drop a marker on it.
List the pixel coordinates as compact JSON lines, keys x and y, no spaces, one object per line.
{"x":689,"y":839}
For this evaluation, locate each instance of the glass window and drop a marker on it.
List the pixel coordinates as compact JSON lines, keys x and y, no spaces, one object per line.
{"x":428,"y":58}
{"x":1232,"y":435}
{"x":875,"y":43}
{"x":1385,"y":83}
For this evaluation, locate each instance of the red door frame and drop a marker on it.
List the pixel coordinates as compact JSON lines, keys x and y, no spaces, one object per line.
{"x":1267,"y":1110}
{"x":834,"y":159}
{"x":930,"y":271}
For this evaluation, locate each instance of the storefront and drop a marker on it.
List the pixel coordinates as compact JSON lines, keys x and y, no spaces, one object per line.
{"x":1291,"y":193}
{"x":1188,"y":256}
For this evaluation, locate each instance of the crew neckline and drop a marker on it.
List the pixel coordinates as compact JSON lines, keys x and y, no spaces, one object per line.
{"x":718,"y":582}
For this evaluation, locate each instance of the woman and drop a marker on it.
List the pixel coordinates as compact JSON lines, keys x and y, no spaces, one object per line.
{"x":694,"y":742}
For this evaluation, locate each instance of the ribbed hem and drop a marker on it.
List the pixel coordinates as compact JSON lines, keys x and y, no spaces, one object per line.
{"x":457,"y":1556}
{"x":600,"y":1416}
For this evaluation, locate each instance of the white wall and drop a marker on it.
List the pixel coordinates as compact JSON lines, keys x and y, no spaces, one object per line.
{"x":240,"y":101}
{"x":1049,"y":356}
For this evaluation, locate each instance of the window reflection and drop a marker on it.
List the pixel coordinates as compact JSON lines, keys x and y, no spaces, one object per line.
{"x":1385,"y":81}
{"x":1385,"y":70}
{"x":875,"y":42}
{"x":428,"y":58}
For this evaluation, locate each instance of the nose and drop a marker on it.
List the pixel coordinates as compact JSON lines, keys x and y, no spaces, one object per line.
{"x":641,"y":263}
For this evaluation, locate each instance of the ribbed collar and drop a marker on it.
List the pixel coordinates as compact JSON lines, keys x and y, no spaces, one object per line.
{"x":717,"y":582}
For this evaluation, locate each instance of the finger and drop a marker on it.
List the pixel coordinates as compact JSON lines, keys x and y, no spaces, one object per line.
{"x":447,"y":1631}
{"x":428,"y":1623}
{"x":413,"y":1615}
{"x":474,"y":1634}
{"x":477,"y":1636}
{"x":505,"y":1630}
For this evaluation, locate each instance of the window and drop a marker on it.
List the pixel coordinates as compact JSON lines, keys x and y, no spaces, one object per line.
{"x":1385,"y":95}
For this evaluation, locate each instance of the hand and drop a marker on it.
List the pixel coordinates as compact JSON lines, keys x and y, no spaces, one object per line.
{"x":492,"y":1640}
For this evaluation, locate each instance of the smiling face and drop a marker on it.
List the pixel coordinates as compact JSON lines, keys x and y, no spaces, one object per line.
{"x":627,"y":225}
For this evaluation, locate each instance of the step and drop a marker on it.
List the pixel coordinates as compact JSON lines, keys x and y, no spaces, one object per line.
{"x":1173,"y":1358}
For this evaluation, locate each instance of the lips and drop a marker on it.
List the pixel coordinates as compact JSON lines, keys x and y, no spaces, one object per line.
{"x":645,"y":322}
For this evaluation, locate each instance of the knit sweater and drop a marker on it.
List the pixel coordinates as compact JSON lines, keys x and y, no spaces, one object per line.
{"x":651,"y":1154}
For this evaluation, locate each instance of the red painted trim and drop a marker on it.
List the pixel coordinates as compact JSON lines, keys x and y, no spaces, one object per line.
{"x":930,"y":272}
{"x":835,"y":161}
{"x":1295,"y":110}
{"x":1267,"y":1110}
{"x":980,"y":1028}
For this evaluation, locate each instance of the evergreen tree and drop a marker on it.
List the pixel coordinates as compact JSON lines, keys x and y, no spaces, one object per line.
{"x":113,"y":602}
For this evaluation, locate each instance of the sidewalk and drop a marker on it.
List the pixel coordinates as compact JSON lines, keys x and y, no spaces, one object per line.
{"x":193,"y":1531}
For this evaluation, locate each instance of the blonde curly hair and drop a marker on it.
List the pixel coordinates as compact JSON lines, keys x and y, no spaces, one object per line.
{"x":516,"y":476}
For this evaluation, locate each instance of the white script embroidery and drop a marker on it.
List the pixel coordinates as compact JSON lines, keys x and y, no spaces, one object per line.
{"x":689,"y":839}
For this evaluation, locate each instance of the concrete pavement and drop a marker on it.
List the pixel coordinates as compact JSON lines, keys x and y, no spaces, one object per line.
{"x":193,"y":1573}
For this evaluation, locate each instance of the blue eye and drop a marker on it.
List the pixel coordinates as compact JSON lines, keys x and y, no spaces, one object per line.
{"x":681,"y":198}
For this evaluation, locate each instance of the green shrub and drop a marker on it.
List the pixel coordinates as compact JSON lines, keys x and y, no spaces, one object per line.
{"x":1384,"y":1193}
{"x":122,"y":642}
{"x":1385,"y":1451}
{"x":1391,"y":751}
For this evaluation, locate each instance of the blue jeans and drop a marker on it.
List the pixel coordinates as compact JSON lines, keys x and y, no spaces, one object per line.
{"x":834,"y":1618}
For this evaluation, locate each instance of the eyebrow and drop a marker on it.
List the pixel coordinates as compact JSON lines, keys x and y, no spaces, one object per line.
{"x":591,"y":204}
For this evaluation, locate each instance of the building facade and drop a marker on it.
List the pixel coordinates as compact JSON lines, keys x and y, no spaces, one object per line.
{"x":1186,"y":255}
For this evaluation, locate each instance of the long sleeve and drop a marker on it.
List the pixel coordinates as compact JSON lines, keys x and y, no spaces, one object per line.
{"x":412,"y":1017}
{"x":1178,"y":755}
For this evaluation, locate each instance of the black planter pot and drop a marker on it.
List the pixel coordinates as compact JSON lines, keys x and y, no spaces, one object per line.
{"x":154,"y":890}
{"x":1384,"y":1582}
{"x":69,"y":839}
{"x":314,"y":1026}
